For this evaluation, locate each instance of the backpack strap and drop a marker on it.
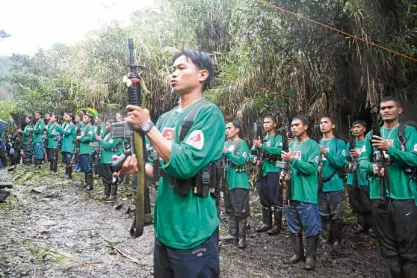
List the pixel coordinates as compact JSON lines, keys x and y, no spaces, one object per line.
{"x":401,"y":136}
{"x":189,"y":119}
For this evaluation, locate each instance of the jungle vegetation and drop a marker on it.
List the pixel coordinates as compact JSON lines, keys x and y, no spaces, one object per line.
{"x":268,"y":61}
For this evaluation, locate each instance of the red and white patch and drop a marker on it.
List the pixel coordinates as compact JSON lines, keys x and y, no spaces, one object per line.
{"x":390,"y":142}
{"x":344,"y":152}
{"x":168,"y":133}
{"x":415,"y":147}
{"x":268,"y":144}
{"x":361,"y":150}
{"x":322,"y":156}
{"x":317,"y":159}
{"x":196,"y":139}
{"x":297,"y":155}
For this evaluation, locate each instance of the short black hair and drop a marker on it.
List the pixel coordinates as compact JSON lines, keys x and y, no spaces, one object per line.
{"x":359,"y":122}
{"x":70,"y":114}
{"x":271,"y":117}
{"x":302,"y":118}
{"x":235,"y":123}
{"x":328,"y":117}
{"x":392,"y":98}
{"x":202,"y":60}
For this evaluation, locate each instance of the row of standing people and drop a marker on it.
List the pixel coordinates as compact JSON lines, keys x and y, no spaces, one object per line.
{"x":85,"y":146}
{"x":314,"y":180}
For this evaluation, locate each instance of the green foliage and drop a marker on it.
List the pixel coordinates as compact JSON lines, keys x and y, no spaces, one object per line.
{"x":6,"y":106}
{"x":268,"y":61}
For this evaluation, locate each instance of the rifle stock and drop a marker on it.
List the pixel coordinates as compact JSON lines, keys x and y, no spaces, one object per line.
{"x":378,"y":156}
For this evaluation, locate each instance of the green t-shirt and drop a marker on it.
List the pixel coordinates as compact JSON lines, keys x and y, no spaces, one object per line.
{"x":183,"y":222}
{"x":109,"y":147}
{"x":38,"y":131}
{"x":333,"y":161}
{"x":237,"y":155}
{"x":303,"y":167}
{"x":27,"y":134}
{"x":87,"y":145}
{"x":270,"y":145}
{"x":68,"y":141}
{"x":52,"y":133}
{"x":360,"y":176}
{"x":402,"y":187}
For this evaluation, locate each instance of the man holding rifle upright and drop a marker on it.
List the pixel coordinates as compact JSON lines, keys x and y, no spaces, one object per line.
{"x":186,"y":217}
{"x":394,"y":209}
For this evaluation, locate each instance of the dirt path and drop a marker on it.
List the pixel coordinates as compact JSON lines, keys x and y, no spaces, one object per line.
{"x":51,"y":228}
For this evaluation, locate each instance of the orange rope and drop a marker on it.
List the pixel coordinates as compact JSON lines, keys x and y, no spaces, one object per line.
{"x":336,"y":30}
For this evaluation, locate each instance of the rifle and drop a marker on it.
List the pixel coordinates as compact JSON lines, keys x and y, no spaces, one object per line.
{"x":284,"y":165}
{"x":135,"y":143}
{"x":351,"y":159}
{"x":256,"y":134}
{"x":378,"y":156}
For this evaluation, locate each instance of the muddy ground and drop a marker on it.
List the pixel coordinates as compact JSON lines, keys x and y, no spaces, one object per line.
{"x":49,"y":227}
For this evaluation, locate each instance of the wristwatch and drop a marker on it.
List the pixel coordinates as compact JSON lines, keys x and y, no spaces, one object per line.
{"x":146,"y":126}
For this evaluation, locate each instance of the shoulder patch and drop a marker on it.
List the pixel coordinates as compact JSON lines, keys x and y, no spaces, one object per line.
{"x":415,"y":147}
{"x":317,"y":159}
{"x":245,"y":155}
{"x":344,"y":152}
{"x":196,"y":139}
{"x":168,"y":133}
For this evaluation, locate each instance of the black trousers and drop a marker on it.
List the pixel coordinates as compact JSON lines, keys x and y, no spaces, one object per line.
{"x":236,"y":202}
{"x":396,"y":228}
{"x":360,"y":204}
{"x":106,"y":174}
{"x":52,"y":154}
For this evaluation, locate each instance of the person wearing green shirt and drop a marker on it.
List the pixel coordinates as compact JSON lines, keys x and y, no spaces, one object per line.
{"x":185,"y":219}
{"x":100,"y":130}
{"x":109,"y":148}
{"x":333,"y":160}
{"x":68,"y":131}
{"x":27,"y":146}
{"x":236,"y":193}
{"x":52,"y":143}
{"x":302,"y":210}
{"x":87,"y":147}
{"x":394,"y":210}
{"x":269,"y":187}
{"x":77,"y":121}
{"x":357,"y":183}
{"x":38,"y":139}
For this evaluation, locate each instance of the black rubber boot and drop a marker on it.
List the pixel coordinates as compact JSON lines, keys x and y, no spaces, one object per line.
{"x":107,"y":190}
{"x":70,"y":171}
{"x":395,"y":267}
{"x":242,"y":224}
{"x":85,"y":180}
{"x":409,"y":269}
{"x":266,"y":219}
{"x":51,"y":166}
{"x":326,"y":234}
{"x":297,"y":247}
{"x":55,"y":166}
{"x":89,"y":181}
{"x":276,"y":229}
{"x":113,"y":191}
{"x":232,"y":233}
{"x":337,"y":229}
{"x":311,"y":250}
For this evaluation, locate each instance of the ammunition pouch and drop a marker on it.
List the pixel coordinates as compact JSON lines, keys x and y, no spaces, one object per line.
{"x":269,"y":157}
{"x":238,"y":169}
{"x":205,"y":183}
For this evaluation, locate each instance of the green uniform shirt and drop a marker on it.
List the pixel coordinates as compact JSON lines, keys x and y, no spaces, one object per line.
{"x":109,"y":147}
{"x":185,"y":222}
{"x":402,"y":187}
{"x":332,"y":162}
{"x":68,"y":131}
{"x":304,"y":166}
{"x":27,"y":134}
{"x":87,"y":140}
{"x":52,"y":133}
{"x":38,"y":131}
{"x":270,"y":145}
{"x":360,"y":176}
{"x":237,"y":155}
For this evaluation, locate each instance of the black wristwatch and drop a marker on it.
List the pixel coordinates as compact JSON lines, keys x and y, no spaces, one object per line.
{"x":146,"y":126}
